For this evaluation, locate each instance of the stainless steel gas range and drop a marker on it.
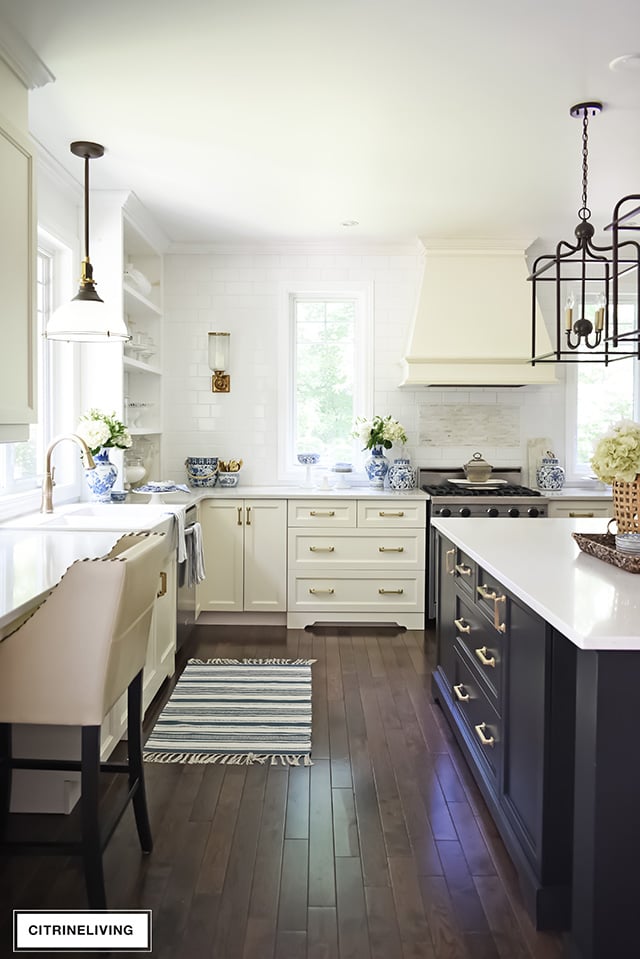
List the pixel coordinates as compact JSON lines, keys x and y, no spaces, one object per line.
{"x":451,"y":495}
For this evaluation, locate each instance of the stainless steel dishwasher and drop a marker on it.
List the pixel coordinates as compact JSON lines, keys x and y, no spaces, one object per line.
{"x":186,"y":615}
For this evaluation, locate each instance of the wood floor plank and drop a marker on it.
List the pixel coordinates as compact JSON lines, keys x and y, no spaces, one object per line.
{"x":339,"y":744}
{"x":260,"y":939}
{"x":291,"y":945}
{"x":412,"y":922}
{"x":502,"y":921}
{"x":448,"y":943}
{"x":345,"y":826}
{"x":322,"y":890}
{"x":382,"y":923}
{"x":268,"y":865}
{"x":292,"y":912}
{"x":353,"y":935}
{"x":466,"y":903}
{"x":322,"y":933}
{"x":213,"y":868}
{"x":473,"y":844}
{"x":321,"y":746}
{"x":297,"y":822}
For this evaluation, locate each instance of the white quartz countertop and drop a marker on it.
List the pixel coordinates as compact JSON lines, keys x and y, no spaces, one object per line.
{"x":592,"y":603}
{"x":301,"y":492}
{"x":33,"y":562}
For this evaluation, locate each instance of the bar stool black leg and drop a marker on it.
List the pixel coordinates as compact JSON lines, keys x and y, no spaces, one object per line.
{"x":136,"y":765}
{"x":5,"y":777}
{"x":91,"y":842}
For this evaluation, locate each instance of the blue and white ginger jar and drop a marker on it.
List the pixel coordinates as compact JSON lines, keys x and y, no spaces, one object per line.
{"x":376,"y":467}
{"x":401,"y":475}
{"x":550,"y":475}
{"x":101,"y":479}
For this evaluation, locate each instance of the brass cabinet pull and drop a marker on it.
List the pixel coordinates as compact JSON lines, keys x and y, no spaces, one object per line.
{"x":383,"y":512}
{"x":486,"y":593}
{"x":449,"y":569}
{"x":460,"y":696}
{"x":248,"y":509}
{"x":163,"y":585}
{"x":484,"y":659}
{"x":463,"y":570}
{"x":485,"y":740}
{"x":388,"y":592}
{"x":315,"y":512}
{"x":239,"y":508}
{"x":462,"y":626}
{"x":391,"y":549}
{"x":321,"y":549}
{"x":316,"y":591}
{"x":581,"y":515}
{"x":501,"y":627}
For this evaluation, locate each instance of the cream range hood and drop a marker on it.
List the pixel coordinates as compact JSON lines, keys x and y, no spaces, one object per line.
{"x":472,"y":325}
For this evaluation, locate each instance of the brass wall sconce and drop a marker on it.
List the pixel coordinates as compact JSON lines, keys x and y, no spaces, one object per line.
{"x":219,"y":362}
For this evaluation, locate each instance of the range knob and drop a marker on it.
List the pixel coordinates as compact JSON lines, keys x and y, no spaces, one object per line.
{"x":465,"y":511}
{"x":493,"y":511}
{"x":445,"y":511}
{"x":514,"y":511}
{"x":533,"y":511}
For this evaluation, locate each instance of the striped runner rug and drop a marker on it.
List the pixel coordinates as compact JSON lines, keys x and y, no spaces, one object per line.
{"x":236,"y":711}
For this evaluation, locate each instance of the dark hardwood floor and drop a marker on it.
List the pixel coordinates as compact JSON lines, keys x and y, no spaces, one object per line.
{"x":383,"y":849}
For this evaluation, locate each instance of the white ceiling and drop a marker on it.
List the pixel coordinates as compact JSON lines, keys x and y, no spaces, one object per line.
{"x":279,"y":119}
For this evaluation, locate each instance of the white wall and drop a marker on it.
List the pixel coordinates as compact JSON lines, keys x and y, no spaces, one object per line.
{"x":238,"y":292}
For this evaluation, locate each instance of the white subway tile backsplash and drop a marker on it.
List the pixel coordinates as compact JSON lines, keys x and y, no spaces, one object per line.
{"x":239,"y":292}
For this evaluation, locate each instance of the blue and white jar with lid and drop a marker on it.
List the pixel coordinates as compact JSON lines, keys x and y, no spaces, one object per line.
{"x":550,"y":475}
{"x":401,"y":474}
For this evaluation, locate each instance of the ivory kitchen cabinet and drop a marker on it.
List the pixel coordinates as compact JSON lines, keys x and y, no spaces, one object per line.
{"x":357,"y":561}
{"x":17,"y":285}
{"x":245,"y":549}
{"x":579,"y":508}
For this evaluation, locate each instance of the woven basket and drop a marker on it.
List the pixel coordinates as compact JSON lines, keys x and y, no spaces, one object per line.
{"x":626,"y":505}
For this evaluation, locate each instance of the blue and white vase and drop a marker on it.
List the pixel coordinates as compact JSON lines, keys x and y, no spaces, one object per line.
{"x":550,"y":475}
{"x":101,"y":479}
{"x":376,"y":467}
{"x":401,"y":475}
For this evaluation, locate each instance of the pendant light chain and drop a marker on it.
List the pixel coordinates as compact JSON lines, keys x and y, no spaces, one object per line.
{"x":584,"y":213}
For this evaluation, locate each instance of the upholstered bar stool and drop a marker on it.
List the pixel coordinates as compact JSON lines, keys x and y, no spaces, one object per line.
{"x":67,"y":665}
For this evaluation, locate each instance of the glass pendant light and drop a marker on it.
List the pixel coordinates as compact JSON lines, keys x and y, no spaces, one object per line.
{"x":86,"y":318}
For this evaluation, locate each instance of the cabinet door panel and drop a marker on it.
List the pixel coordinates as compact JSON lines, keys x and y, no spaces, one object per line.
{"x":446,"y":608}
{"x":222,"y":532}
{"x":17,"y":279}
{"x":265,"y":555}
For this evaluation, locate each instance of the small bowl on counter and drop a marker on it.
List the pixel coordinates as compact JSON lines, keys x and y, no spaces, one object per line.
{"x":228,"y":480}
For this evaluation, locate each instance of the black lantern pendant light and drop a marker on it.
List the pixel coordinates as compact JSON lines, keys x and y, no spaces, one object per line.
{"x":85,"y":318}
{"x":586,"y":281}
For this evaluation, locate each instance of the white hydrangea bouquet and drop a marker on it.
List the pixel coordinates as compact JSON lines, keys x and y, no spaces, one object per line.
{"x":100,"y":430}
{"x":616,"y":456}
{"x":379,"y":431}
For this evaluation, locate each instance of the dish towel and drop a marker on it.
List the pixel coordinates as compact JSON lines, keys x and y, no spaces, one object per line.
{"x":195,"y":571}
{"x":179,"y":513}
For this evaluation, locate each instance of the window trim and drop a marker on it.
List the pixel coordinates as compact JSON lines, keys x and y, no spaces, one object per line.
{"x":288,"y":292}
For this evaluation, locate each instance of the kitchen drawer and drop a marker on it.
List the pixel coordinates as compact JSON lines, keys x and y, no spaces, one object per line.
{"x":579,"y":508}
{"x":395,"y":513}
{"x":484,"y":647}
{"x":463,"y":570}
{"x":490,"y":598}
{"x":364,"y":549}
{"x":483,"y":723}
{"x":338,"y":513}
{"x":356,"y":592}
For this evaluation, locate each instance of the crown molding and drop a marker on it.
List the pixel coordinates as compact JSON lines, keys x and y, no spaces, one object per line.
{"x":22,"y":59}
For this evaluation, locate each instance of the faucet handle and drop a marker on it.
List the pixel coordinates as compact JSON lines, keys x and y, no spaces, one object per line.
{"x":53,"y":476}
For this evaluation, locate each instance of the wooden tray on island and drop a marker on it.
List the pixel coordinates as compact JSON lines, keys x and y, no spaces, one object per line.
{"x":603,"y":546}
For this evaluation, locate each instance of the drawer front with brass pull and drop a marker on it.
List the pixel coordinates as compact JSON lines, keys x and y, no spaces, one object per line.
{"x":482,"y":722}
{"x":380,"y":514}
{"x":321,"y":514}
{"x":356,"y":592}
{"x":491,"y":599}
{"x":362,"y":549}
{"x":463,"y":570}
{"x":483,"y":647}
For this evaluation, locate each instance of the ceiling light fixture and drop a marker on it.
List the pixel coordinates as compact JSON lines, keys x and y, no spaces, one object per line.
{"x":86,"y":319}
{"x":586,"y":278}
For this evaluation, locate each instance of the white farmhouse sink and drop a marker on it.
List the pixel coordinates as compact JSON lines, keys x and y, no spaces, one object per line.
{"x":96,"y":516}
